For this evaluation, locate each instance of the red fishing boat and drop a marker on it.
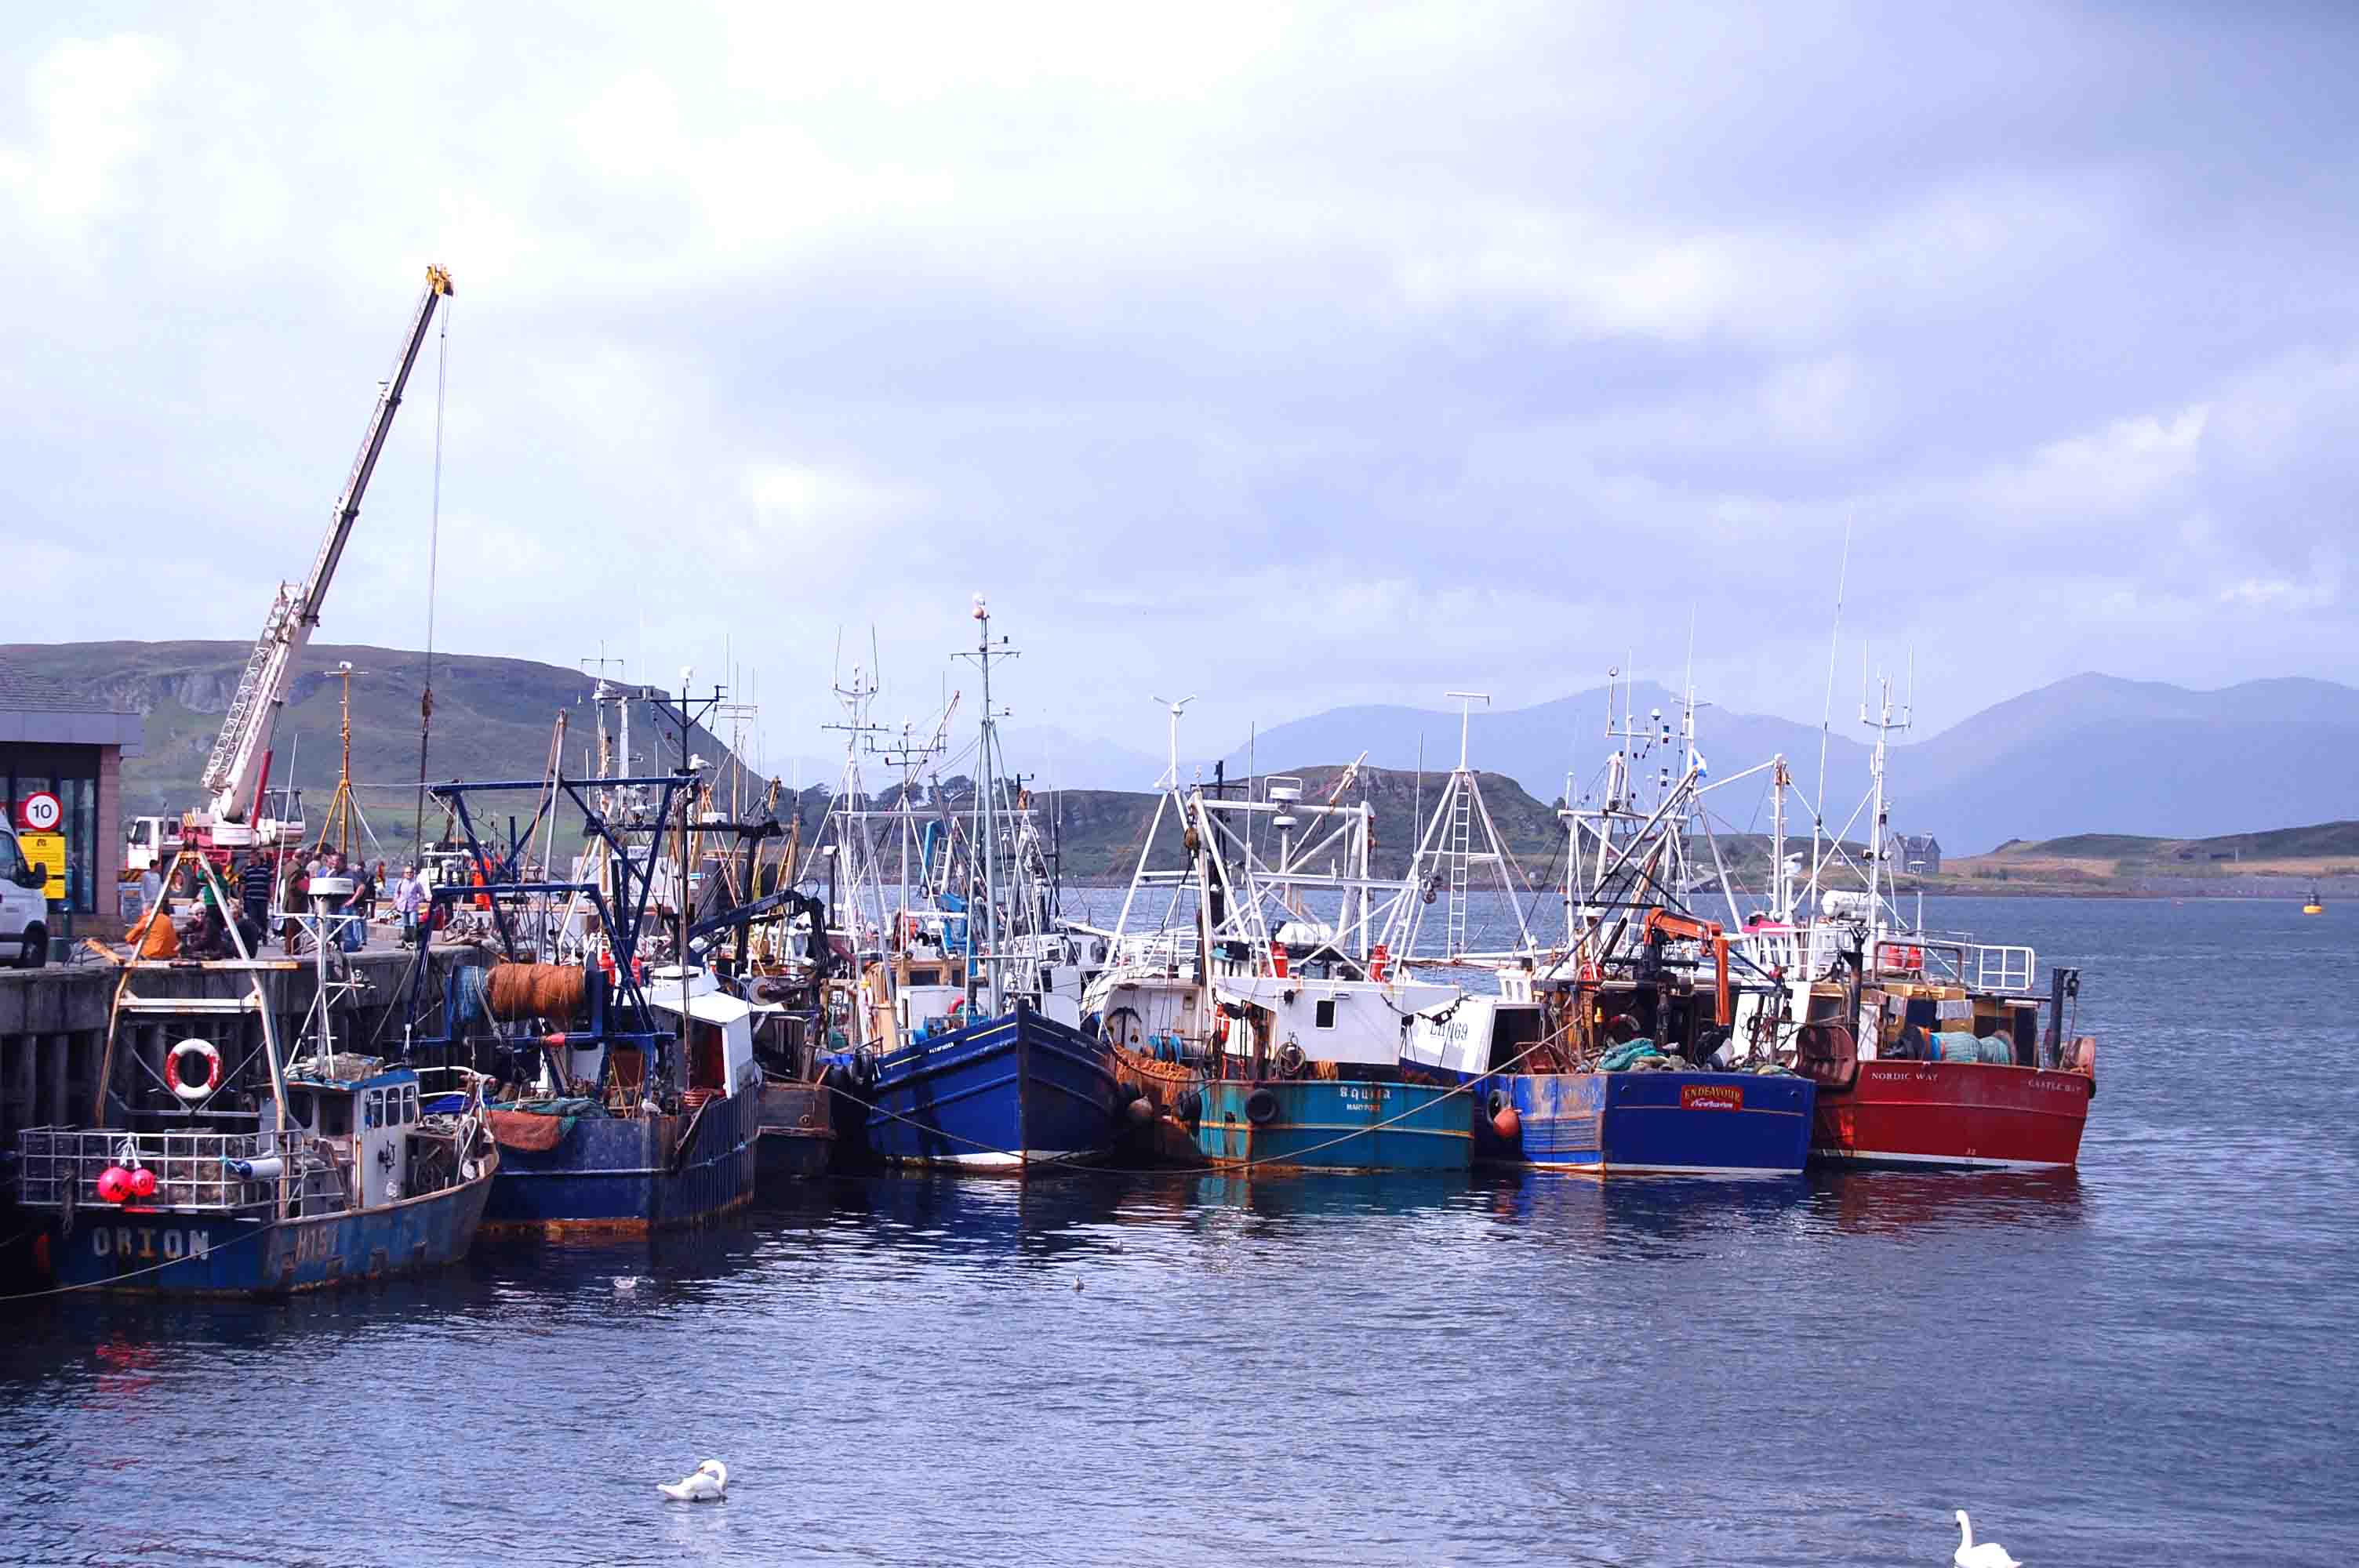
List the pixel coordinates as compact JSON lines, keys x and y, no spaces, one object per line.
{"x":1930,"y":1049}
{"x":1926,"y":1069}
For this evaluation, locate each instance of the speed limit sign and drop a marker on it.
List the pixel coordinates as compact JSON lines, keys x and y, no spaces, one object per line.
{"x":41,"y":811}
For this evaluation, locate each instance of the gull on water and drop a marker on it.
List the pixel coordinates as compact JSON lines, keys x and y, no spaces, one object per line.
{"x":708,"y":1483}
{"x":1989,"y":1554}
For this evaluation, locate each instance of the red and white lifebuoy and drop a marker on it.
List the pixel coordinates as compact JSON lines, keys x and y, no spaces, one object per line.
{"x":192,"y":1070}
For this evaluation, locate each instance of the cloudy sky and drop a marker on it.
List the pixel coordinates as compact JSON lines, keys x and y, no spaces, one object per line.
{"x":1292,"y":356}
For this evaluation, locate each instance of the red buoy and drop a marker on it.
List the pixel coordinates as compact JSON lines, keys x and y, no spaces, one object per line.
{"x":143,"y":1184}
{"x":114,"y":1184}
{"x":1507,"y":1124}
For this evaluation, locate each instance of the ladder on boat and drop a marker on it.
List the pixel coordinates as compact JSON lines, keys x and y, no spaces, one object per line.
{"x":1462,"y":832}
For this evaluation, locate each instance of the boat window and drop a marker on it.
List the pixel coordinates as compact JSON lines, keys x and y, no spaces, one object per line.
{"x":1514,"y":1031}
{"x":409,"y":1102}
{"x":373,"y":1112}
{"x":924,"y":976}
{"x":707,"y":1066}
{"x":1323,"y":1015}
{"x":299,"y":1107}
{"x":335,"y":1116}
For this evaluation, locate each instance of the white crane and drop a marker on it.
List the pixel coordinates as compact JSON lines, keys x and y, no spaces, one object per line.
{"x":240,"y":764}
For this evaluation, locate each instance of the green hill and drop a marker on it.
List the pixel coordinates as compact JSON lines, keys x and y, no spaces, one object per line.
{"x":2110,"y":861}
{"x":493,"y":719}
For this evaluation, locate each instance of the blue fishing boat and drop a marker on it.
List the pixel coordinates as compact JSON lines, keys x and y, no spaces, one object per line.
{"x":634,"y":1099}
{"x":1644,"y":1112}
{"x":963,"y":1046}
{"x":1001,"y":1095}
{"x":1648,"y":1123}
{"x":571,"y":1162}
{"x":356,"y":1173}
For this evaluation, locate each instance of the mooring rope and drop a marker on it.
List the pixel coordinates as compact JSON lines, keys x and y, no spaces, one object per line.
{"x":135,"y":1273}
{"x":1229,"y":1167}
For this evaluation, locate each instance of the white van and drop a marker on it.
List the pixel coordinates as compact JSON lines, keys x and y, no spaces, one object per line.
{"x":24,"y":909}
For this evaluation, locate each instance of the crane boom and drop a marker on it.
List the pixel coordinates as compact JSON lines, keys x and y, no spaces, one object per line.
{"x":232,"y":774}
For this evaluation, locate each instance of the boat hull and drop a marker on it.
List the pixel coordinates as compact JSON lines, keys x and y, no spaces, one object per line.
{"x":1961,"y":1115}
{"x":176,"y":1252}
{"x":797,"y":1132}
{"x":1007,"y":1094}
{"x":1316,"y":1124}
{"x":634,"y":1173}
{"x":1648,"y":1123}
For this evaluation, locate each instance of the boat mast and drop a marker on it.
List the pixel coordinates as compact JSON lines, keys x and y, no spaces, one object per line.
{"x":1883,"y":724}
{"x":983,"y":655}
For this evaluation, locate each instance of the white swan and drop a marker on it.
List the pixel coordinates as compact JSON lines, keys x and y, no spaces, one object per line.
{"x":1989,"y":1554}
{"x":709,"y":1483}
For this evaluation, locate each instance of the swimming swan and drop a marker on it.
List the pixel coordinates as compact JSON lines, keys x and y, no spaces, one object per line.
{"x":1989,"y":1554}
{"x":710,"y":1481}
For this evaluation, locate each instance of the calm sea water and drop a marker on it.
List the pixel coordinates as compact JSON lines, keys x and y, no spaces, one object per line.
{"x":2150,"y":1362}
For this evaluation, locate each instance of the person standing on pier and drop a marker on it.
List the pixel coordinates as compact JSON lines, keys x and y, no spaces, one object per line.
{"x":253,"y":884}
{"x":407,"y":894}
{"x":358,"y":905}
{"x":296,"y":904}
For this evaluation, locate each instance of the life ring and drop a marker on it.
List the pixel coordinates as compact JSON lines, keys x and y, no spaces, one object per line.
{"x":1261,"y":1107}
{"x":197,"y":1082}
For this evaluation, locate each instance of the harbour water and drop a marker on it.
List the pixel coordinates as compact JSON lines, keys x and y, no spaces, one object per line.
{"x":2149,"y":1361}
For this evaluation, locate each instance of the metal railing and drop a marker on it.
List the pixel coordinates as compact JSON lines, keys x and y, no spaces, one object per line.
{"x":1941,"y":959}
{"x":57,"y":1166}
{"x":2004,"y":968}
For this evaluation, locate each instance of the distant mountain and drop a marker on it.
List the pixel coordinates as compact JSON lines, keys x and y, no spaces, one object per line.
{"x":1539,"y":746}
{"x":2277,"y":863}
{"x":1059,"y":759}
{"x":2097,"y":755}
{"x":2091,"y":754}
{"x":1100,"y":832}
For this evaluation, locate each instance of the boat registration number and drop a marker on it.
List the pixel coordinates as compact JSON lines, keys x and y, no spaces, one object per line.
{"x":1712,"y":1096}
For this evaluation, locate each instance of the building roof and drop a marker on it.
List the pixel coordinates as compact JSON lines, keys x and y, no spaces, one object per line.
{"x":22,"y":691}
{"x":37,"y":709}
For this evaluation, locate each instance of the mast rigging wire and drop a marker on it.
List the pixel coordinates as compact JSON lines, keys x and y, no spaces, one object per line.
{"x":433,"y":557}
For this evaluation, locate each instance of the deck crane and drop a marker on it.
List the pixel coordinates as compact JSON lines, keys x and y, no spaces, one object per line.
{"x":240,"y":765}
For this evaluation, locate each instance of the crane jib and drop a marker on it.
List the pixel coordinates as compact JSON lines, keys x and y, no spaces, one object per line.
{"x":231,"y":773}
